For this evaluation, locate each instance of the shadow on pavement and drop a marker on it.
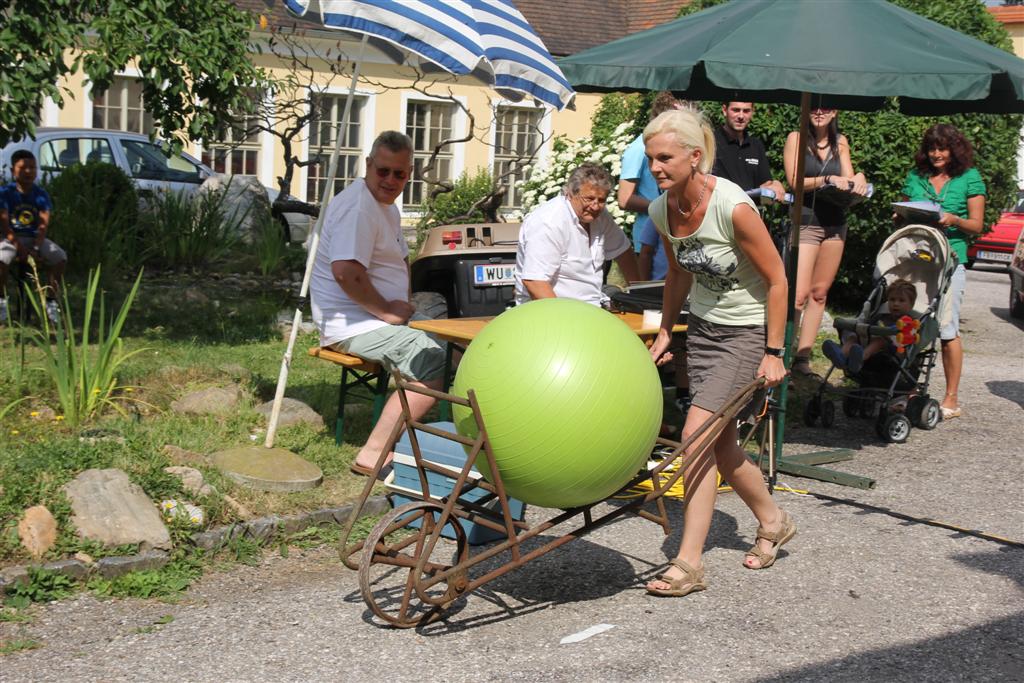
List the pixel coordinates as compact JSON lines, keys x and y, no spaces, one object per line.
{"x":1010,"y":389}
{"x":990,"y":652}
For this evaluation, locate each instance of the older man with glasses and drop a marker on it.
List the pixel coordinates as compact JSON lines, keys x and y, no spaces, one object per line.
{"x":564,"y":242}
{"x":360,"y":286}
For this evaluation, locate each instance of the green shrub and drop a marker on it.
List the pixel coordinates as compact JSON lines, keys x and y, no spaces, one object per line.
{"x":883,"y":145}
{"x":83,"y":369}
{"x":455,"y":205}
{"x":95,"y":218}
{"x":186,"y":232}
{"x":268,"y":245}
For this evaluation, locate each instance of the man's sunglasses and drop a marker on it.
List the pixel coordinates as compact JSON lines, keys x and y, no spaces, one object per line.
{"x":398,"y":173}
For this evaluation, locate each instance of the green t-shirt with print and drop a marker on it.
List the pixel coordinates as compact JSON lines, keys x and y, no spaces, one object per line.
{"x":952,"y":198}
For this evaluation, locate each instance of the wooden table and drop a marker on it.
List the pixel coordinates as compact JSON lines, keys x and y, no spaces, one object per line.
{"x":459,"y":332}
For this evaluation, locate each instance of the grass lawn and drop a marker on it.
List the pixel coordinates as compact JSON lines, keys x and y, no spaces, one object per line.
{"x":193,"y":332}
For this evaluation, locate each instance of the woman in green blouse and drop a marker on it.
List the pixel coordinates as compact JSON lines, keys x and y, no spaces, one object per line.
{"x":945,"y":174}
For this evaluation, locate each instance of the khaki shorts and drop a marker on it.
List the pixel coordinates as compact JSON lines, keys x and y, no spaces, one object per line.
{"x":411,"y":352}
{"x":721,"y":360}
{"x":50,"y":253}
{"x":816,"y":234}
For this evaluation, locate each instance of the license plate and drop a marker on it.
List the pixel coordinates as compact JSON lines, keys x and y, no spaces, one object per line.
{"x":494,"y":275}
{"x":994,"y":256}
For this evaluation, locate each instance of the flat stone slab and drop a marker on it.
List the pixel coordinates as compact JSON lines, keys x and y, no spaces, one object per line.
{"x":108,"y":507}
{"x":268,"y":469}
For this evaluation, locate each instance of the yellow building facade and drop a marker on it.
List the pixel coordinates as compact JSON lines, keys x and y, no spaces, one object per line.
{"x":441,"y":107}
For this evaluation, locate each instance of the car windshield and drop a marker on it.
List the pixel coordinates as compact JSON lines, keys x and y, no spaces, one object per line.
{"x":148,"y":162}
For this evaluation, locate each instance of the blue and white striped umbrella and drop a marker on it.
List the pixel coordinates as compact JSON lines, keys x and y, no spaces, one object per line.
{"x":489,"y":39}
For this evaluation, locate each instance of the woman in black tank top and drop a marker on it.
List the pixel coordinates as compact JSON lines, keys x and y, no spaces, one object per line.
{"x":823,"y":224}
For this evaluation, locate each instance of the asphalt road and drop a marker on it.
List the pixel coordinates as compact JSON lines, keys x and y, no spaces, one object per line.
{"x":861,"y":594}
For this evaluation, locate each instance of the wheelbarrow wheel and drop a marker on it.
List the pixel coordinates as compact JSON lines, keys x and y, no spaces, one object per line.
{"x":392,"y":586}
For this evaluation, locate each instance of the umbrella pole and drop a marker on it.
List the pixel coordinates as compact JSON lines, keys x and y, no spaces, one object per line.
{"x":796,"y":210}
{"x":804,"y":465}
{"x":314,"y":242}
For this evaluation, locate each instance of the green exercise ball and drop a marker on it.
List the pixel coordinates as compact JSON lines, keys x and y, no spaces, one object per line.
{"x":570,"y":399}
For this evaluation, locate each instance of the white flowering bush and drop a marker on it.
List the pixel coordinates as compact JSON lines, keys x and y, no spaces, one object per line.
{"x":546,"y":182}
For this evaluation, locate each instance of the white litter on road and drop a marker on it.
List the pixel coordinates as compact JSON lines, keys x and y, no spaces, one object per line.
{"x":586,"y":633}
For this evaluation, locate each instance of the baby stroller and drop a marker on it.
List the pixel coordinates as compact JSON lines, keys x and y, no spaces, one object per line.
{"x":892,"y":385}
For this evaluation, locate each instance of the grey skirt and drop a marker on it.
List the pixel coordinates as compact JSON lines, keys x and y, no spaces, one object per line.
{"x":721,"y":360}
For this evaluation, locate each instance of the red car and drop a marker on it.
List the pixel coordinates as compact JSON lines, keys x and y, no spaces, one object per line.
{"x":997,"y":245}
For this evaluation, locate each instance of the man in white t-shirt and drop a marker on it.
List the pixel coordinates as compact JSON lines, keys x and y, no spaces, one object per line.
{"x":360,"y":286}
{"x":564,"y":242}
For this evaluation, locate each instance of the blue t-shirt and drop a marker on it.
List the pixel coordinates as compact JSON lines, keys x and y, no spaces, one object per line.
{"x":635,"y":168}
{"x":648,"y":235}
{"x":24,"y":209}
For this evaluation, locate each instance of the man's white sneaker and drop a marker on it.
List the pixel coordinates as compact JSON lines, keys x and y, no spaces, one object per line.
{"x":53,"y":311}
{"x":3,"y":311}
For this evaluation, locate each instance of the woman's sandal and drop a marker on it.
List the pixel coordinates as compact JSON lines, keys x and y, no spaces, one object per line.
{"x":777,"y":538}
{"x":691,"y":581}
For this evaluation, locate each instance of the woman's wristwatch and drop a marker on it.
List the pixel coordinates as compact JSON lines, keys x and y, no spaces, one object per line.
{"x":774,"y":351}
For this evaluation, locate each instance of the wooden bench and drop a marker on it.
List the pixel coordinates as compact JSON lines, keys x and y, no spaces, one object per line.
{"x":355,"y":372}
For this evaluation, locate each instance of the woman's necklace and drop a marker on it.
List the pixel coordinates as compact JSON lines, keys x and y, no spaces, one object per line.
{"x":700,"y":198}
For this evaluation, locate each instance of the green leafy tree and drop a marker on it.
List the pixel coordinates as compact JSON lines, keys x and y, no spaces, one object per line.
{"x":883,"y":144}
{"x":194,"y":57}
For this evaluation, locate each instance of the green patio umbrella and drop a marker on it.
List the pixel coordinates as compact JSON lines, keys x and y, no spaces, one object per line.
{"x":852,"y":53}
{"x":847,"y":54}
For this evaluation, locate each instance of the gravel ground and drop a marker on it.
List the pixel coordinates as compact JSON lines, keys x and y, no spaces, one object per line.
{"x":860,"y":595}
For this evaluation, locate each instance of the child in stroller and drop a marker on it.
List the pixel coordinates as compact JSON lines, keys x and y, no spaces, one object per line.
{"x":911,"y":278}
{"x":900,"y":297}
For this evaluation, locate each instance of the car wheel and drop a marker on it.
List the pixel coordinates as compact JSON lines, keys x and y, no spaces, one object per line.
{"x":430,"y":304}
{"x":1016,"y":303}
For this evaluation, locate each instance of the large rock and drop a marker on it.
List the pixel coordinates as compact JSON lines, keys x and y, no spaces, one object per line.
{"x":107,"y":507}
{"x":245,"y":202}
{"x":37,"y":530}
{"x":210,"y":401}
{"x":293,"y":411}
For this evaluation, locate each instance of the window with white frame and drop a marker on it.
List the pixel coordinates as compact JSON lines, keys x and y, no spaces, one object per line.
{"x":427,"y":123}
{"x":120,"y":107}
{"x":516,"y":139}
{"x":328,"y":111}
{"x":235,"y":149}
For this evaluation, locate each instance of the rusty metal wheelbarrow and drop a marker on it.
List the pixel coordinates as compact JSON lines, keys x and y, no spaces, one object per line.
{"x":416,"y":562}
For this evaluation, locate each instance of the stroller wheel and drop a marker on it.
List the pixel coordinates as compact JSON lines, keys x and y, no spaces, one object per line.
{"x":851,"y":406}
{"x":812,"y":410}
{"x":828,"y":413}
{"x":893,"y":428}
{"x":924,"y":412}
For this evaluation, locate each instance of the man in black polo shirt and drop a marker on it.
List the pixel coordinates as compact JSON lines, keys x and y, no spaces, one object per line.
{"x":740,"y":157}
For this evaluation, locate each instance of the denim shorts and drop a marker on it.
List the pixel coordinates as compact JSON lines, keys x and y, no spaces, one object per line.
{"x":411,"y":352}
{"x":949,"y":312}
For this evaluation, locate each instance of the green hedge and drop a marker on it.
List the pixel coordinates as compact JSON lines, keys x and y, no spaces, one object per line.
{"x":95,"y":218}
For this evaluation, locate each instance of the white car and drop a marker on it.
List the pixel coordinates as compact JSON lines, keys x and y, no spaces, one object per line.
{"x":142,"y":160}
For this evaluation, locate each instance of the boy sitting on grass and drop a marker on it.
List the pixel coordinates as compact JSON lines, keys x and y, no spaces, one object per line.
{"x":901,"y":297}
